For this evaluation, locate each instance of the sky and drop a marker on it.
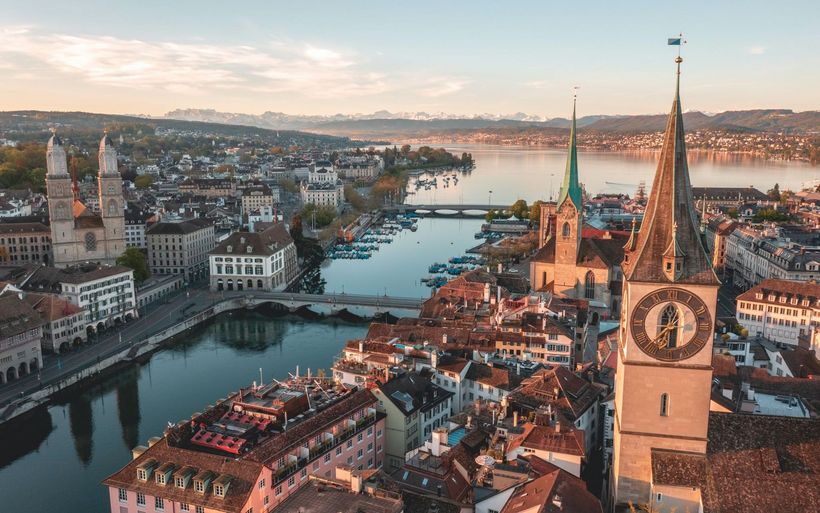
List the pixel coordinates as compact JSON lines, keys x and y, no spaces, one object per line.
{"x":458,"y":57}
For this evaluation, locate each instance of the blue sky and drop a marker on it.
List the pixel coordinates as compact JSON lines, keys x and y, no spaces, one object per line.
{"x":304,"y":57}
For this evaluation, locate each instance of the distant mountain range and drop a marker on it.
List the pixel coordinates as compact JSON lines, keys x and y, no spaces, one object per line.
{"x":383,"y":124}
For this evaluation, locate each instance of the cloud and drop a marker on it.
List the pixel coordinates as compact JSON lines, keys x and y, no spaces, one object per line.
{"x":190,"y":67}
{"x":436,"y":87}
{"x":197,"y":67}
{"x":757,"y":50}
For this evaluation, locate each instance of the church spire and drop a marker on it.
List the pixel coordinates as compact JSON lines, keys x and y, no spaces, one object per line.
{"x":668,"y":247}
{"x":570,"y":187}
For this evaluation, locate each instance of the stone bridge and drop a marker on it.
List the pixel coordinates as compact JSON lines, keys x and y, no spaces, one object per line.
{"x":358,"y":304}
{"x":445,"y":210}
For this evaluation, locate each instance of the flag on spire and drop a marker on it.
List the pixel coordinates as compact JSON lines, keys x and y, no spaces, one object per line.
{"x":674,"y":41}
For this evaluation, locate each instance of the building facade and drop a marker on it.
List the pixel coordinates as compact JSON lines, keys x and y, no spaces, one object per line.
{"x":21,"y":331}
{"x":25,"y":243}
{"x":258,"y":197}
{"x":63,"y":322}
{"x":264,"y":260}
{"x":780,"y":310}
{"x":78,"y":234}
{"x":755,"y":255}
{"x":181,"y":247}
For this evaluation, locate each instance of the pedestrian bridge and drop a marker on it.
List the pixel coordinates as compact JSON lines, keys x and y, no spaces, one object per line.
{"x":358,"y":304}
{"x":445,"y":210}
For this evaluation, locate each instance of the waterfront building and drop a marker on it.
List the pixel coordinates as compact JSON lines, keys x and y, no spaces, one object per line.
{"x":755,"y":255}
{"x":63,"y":322}
{"x":362,"y":361}
{"x":78,"y":233}
{"x":363,"y":167}
{"x":571,"y":260}
{"x":23,"y":243}
{"x":104,"y":292}
{"x":727,"y":197}
{"x":158,"y":287}
{"x":262,"y":260}
{"x":415,"y":406}
{"x":254,"y":450}
{"x":21,"y":331}
{"x":780,"y":310}
{"x":181,"y":247}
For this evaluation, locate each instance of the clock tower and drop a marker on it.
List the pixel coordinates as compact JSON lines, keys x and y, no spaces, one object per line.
{"x":569,"y":222}
{"x":664,"y":372}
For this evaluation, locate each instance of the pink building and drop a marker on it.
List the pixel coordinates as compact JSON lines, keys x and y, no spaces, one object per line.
{"x":252,"y":451}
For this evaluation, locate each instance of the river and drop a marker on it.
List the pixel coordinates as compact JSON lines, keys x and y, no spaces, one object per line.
{"x":58,"y":459}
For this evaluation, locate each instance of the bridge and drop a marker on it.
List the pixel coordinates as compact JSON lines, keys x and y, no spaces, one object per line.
{"x":444,"y":210}
{"x":328,"y":303}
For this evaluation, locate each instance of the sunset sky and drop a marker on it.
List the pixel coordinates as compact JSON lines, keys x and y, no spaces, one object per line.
{"x":303,"y":57}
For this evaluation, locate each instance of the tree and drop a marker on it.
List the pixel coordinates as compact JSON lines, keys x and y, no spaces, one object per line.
{"x":356,"y":200}
{"x":490,"y":215}
{"x":535,"y":211}
{"x":144,"y":181}
{"x":774,"y":192}
{"x":135,"y":260}
{"x":520,"y":210}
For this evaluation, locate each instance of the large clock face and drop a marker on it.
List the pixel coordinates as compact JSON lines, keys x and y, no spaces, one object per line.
{"x":671,"y":324}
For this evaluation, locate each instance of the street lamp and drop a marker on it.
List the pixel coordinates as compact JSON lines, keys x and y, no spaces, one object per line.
{"x":490,"y":198}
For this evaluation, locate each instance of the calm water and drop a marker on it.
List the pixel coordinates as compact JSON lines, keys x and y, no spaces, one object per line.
{"x":66,"y":452}
{"x":529,"y":173}
{"x":70,"y":448}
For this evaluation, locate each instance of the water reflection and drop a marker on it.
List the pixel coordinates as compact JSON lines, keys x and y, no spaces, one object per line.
{"x":17,"y":442}
{"x":81,"y":421}
{"x":128,"y":408}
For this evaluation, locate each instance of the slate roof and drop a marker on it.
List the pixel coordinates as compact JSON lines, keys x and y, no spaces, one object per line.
{"x":180,"y":228}
{"x":753,"y":463}
{"x":264,"y":243}
{"x":669,"y":220}
{"x":13,"y":228}
{"x":502,"y":378}
{"x":575,"y":394}
{"x":17,"y":316}
{"x":244,"y":472}
{"x":790,"y":289}
{"x":421,"y":393}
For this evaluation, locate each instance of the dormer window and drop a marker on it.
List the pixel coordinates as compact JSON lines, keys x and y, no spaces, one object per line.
{"x":199,"y":486}
{"x":179,"y":482}
{"x":142,"y":474}
{"x":219,"y":491}
{"x":250,"y":249}
{"x":759,"y":295}
{"x":794,"y":301}
{"x":229,"y":249}
{"x":161,"y":479}
{"x":782,"y":299}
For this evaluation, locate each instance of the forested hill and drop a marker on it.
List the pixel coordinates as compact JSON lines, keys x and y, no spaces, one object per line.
{"x":34,"y":126}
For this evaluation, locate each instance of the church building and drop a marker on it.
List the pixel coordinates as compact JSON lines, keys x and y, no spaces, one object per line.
{"x":79,"y":234}
{"x":573,"y":260}
{"x":670,"y":453}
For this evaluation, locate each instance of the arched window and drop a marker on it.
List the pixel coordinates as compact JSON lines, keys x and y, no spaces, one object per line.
{"x":112,"y":208}
{"x":664,"y":404}
{"x":589,"y":285}
{"x":90,"y":241}
{"x":669,"y":326}
{"x":565,"y":230}
{"x":259,"y":284}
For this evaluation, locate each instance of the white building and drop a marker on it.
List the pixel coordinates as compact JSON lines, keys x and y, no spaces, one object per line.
{"x":105,"y":292}
{"x":780,"y":310}
{"x":181,"y":247}
{"x":264,"y":260}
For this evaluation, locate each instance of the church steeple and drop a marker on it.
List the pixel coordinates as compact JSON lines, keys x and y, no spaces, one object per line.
{"x":570,"y":187}
{"x":668,"y":247}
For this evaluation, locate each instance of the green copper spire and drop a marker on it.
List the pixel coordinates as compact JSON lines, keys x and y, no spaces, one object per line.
{"x":570,"y":187}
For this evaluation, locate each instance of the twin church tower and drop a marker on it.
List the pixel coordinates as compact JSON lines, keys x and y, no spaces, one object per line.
{"x":668,"y":304}
{"x":79,"y":234}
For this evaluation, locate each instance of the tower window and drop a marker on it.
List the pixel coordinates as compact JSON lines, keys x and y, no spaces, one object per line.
{"x":664,"y":404}
{"x":589,"y":285}
{"x":565,"y":230}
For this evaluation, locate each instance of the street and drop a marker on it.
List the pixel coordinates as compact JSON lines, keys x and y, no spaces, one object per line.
{"x":153,"y":319}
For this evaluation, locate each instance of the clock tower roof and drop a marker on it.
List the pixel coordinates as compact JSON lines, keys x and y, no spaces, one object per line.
{"x":668,"y":247}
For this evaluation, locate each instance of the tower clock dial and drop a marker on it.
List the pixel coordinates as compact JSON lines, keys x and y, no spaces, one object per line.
{"x":671,"y":324}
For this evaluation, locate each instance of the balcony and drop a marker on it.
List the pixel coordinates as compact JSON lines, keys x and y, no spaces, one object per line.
{"x":317,"y":451}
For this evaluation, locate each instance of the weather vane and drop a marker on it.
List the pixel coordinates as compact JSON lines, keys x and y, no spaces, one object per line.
{"x":677,"y":41}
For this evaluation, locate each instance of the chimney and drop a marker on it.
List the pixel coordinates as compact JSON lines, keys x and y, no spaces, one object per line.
{"x":487,"y":292}
{"x":557,"y":426}
{"x":436,"y":442}
{"x":361,"y":346}
{"x":434,"y":358}
{"x":515,"y":419}
{"x":444,"y":339}
{"x":469,"y":423}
